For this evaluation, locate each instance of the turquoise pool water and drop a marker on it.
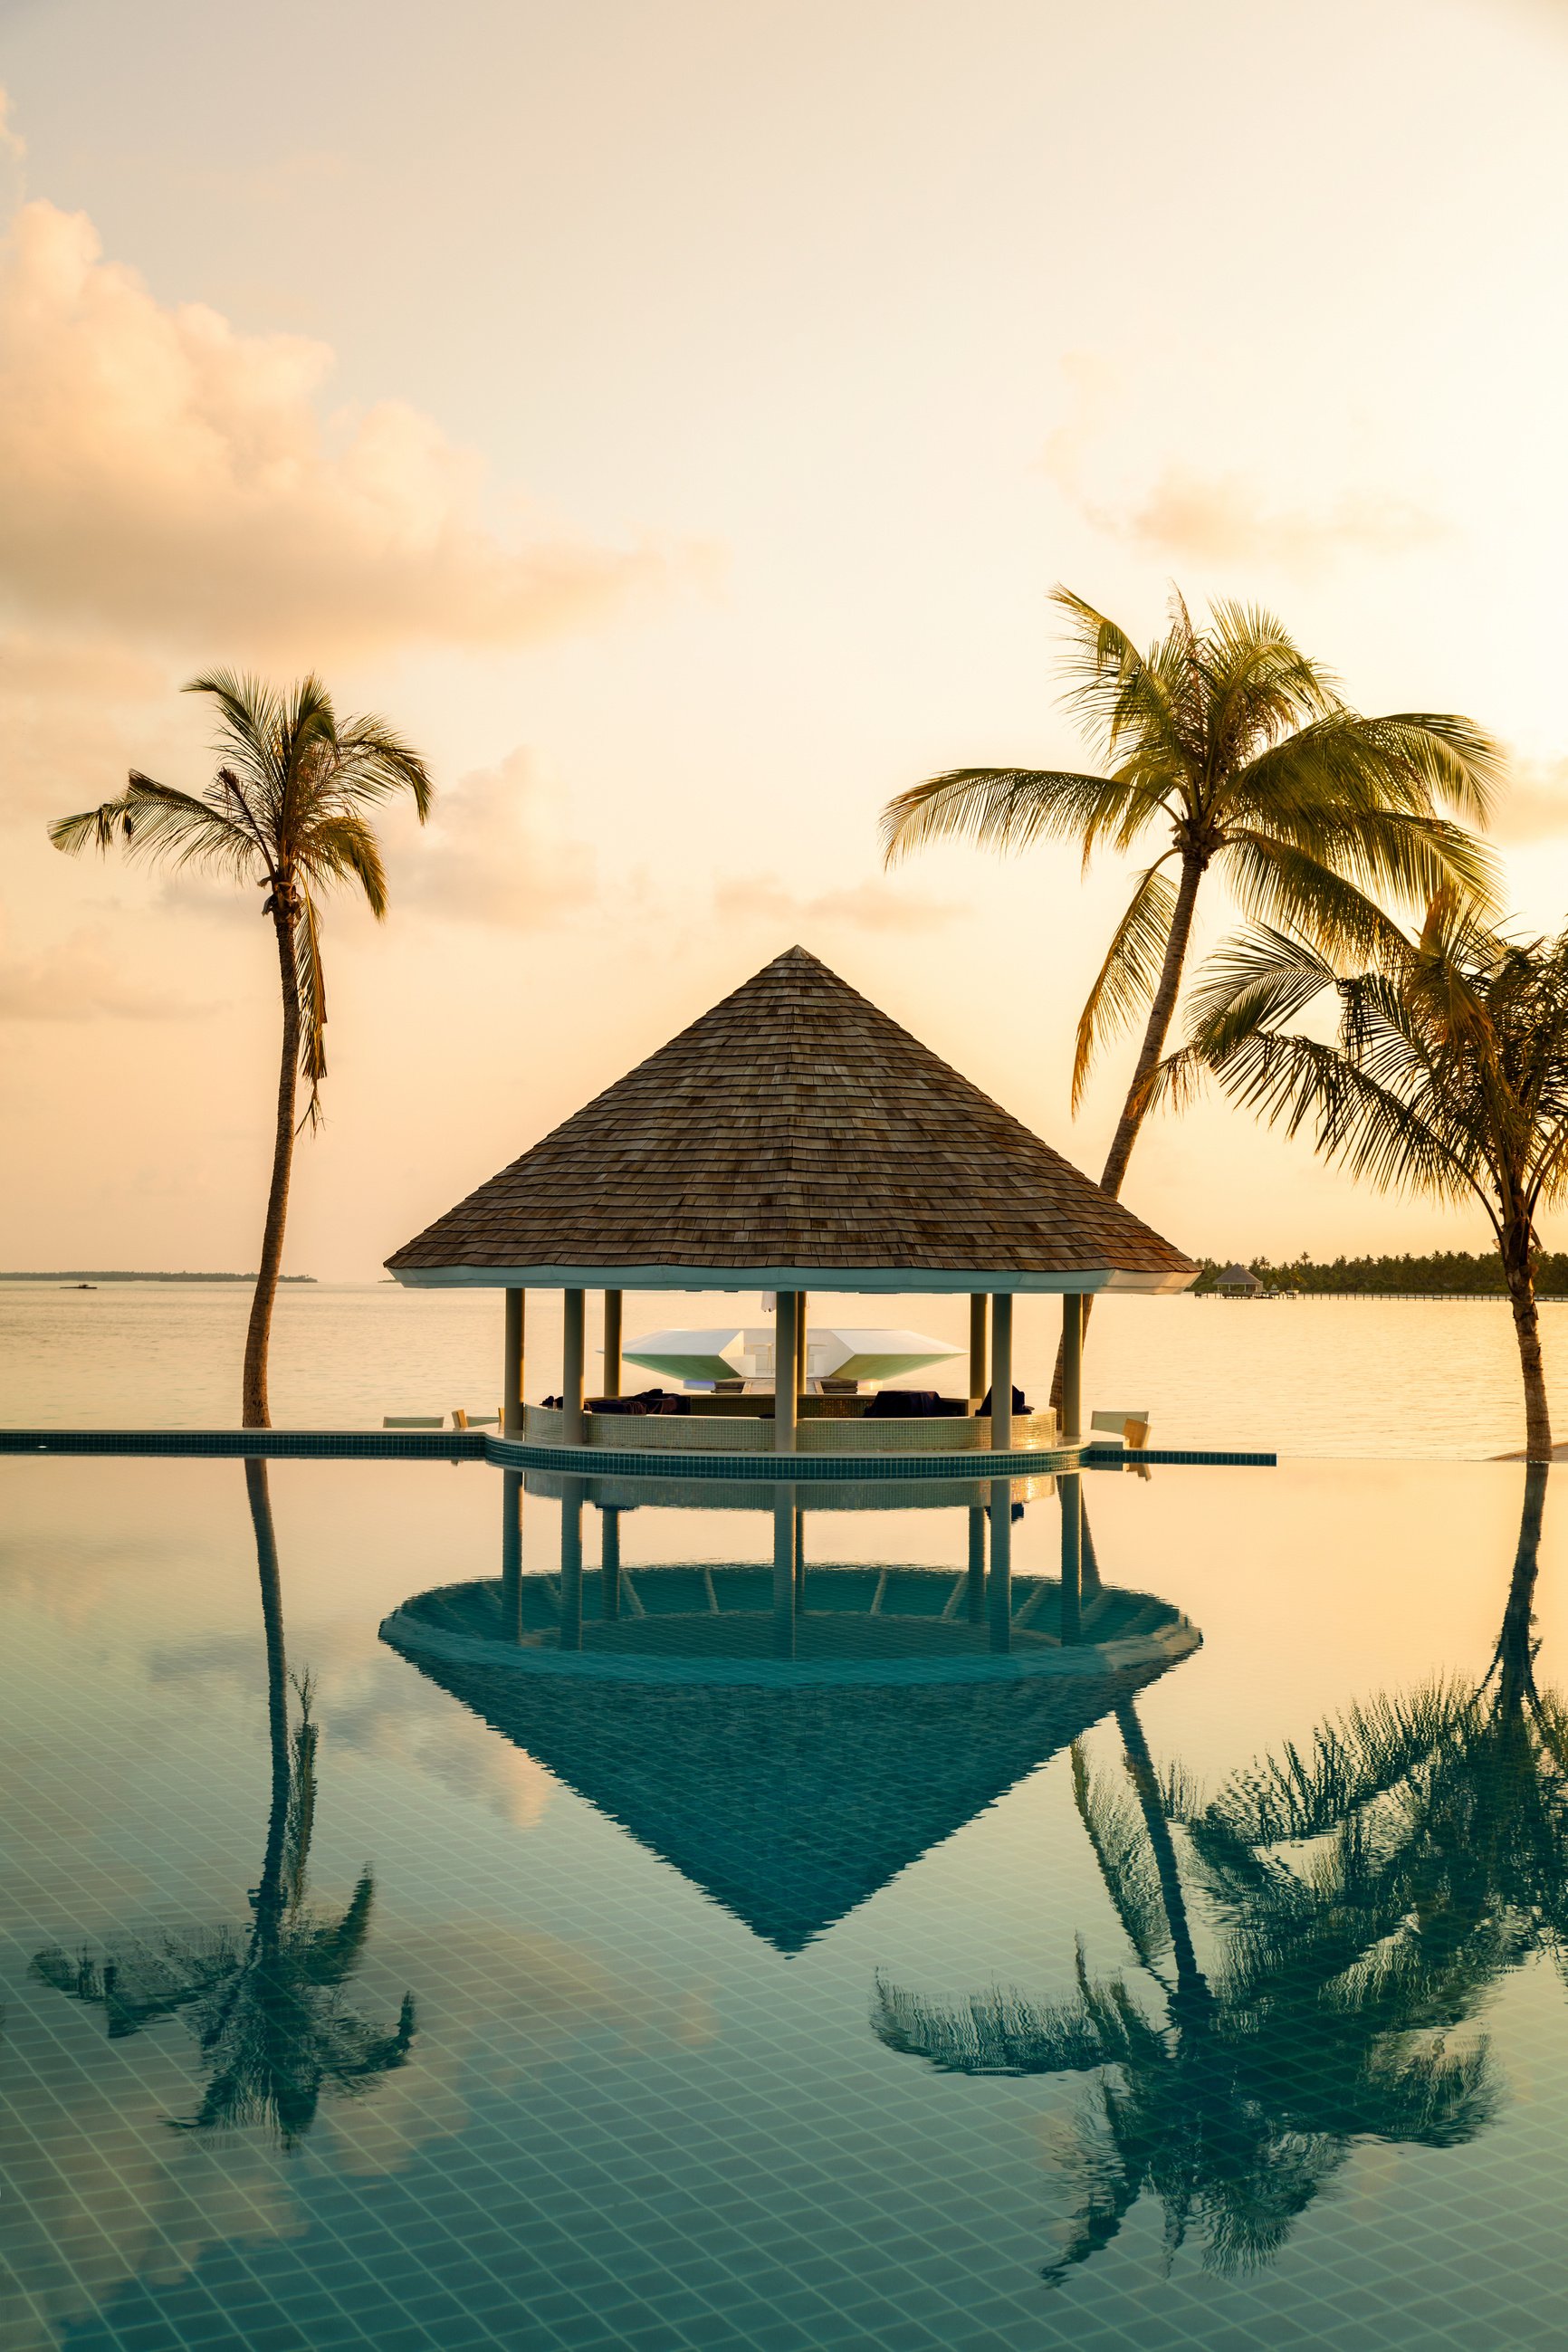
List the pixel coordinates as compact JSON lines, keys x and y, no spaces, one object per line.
{"x":413,"y":1935}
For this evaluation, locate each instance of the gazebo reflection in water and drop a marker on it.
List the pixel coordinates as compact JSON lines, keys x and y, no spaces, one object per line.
{"x":790,"y":1733}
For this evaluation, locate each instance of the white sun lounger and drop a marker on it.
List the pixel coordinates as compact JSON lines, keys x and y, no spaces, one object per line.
{"x":1130,"y":1426}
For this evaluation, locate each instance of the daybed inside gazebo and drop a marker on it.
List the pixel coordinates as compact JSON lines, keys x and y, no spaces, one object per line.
{"x":795,"y":1139}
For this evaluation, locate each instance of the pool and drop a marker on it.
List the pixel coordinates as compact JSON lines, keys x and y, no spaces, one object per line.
{"x":442,"y":1908}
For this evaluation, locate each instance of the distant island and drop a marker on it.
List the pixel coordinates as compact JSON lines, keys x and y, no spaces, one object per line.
{"x":100,"y":1274}
{"x":1446,"y":1274}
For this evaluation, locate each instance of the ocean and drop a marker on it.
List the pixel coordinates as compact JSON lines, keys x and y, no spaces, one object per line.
{"x":1389,"y":1377}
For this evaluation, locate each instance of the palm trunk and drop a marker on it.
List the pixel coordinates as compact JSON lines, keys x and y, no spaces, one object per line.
{"x":269,"y":1894}
{"x":254,"y":1406}
{"x":1135,"y":1109}
{"x":1521,"y":1278}
{"x":1192,"y":1985}
{"x":1515,"y":1656}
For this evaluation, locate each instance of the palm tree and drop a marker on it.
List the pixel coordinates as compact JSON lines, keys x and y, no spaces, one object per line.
{"x":1234,"y":2093}
{"x":1234,"y":749}
{"x":1448,"y":1076}
{"x":267,"y":2004}
{"x":1461,"y":1794}
{"x":1365,"y":1892}
{"x":289,"y":810}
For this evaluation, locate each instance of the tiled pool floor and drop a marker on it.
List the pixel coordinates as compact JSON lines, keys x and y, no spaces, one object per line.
{"x":703,"y":2052}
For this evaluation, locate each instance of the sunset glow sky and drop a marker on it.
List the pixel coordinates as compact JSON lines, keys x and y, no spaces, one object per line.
{"x":673,"y":414}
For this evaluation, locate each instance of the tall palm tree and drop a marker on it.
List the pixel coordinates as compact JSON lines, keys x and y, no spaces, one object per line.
{"x":1361,"y":1891}
{"x":266,"y":2003}
{"x":1232,"y":750}
{"x":1462,"y":1794}
{"x":1448,"y":1076}
{"x":288,"y":810}
{"x":1233,"y":2092}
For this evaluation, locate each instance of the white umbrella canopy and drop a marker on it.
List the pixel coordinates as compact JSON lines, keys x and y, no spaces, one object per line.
{"x":712,"y":1355}
{"x":734,"y":1352}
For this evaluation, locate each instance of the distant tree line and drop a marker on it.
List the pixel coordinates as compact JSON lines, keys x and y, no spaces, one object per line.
{"x":1454,"y":1273}
{"x":102,"y":1273}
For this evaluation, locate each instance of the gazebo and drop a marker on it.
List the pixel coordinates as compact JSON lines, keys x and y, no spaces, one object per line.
{"x":793,"y":1140}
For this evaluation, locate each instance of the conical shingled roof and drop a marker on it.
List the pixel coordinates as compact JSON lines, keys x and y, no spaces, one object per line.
{"x":794,"y":1129}
{"x":790,"y":1807}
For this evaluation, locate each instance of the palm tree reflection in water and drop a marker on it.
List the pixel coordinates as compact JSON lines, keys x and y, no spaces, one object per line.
{"x":266,"y":2003}
{"x":1360,"y":1899}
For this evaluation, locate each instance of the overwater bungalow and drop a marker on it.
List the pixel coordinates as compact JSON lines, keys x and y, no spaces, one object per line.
{"x":793,"y":1140}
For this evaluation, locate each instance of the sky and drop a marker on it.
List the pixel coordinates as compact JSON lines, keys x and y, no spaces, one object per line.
{"x":673,"y":416}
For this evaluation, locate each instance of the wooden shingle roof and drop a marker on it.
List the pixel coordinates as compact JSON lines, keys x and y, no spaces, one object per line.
{"x":794,"y":1136}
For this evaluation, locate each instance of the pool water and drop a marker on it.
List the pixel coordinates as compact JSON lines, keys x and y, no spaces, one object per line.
{"x":416,"y":1932}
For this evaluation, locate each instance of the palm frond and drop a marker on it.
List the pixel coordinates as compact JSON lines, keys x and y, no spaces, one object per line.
{"x":1419,"y":762}
{"x":1002,"y":2032}
{"x":1122,"y":695}
{"x":311,"y":982}
{"x":341,"y":845}
{"x":1355,"y":1757}
{"x":379,"y":763}
{"x":1286,"y":886}
{"x":1128,"y":978}
{"x":1009,"y":809}
{"x":1257,"y":979}
{"x":1127,"y":1868}
{"x":155,"y":821}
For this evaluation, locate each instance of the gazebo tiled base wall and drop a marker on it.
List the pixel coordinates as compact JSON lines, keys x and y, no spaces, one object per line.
{"x":698,"y":1433}
{"x":615,"y":1489}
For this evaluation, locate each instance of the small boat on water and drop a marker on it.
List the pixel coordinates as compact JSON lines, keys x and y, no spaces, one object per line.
{"x":78,"y":1286}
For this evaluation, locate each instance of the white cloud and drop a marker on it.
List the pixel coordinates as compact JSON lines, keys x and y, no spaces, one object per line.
{"x":1533,"y":806}
{"x":867,"y":906}
{"x":496,"y":851}
{"x":1221,"y":515}
{"x":165,"y":475}
{"x":77,"y":979}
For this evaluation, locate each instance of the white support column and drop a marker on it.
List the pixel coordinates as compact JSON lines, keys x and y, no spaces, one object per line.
{"x":511,"y":1555}
{"x":783,"y":1567}
{"x":1000,"y":1599}
{"x":978,"y":1303}
{"x":572,"y":1491}
{"x":1001,"y":1377}
{"x":799,"y":1350}
{"x":1071,"y":1488}
{"x":1071,"y":1430}
{"x":609,"y":1561}
{"x":572,"y":1429}
{"x":976,"y":1594}
{"x":611,"y":1343}
{"x":512,"y":1390}
{"x":787,"y":1352}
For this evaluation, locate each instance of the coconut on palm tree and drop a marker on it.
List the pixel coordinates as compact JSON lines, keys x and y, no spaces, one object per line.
{"x":1226,"y":748}
{"x":289,"y":811}
{"x":1447,"y":1074}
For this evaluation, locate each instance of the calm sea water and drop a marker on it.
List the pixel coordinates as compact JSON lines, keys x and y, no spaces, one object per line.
{"x":1343,"y":1376}
{"x":558,"y":1999}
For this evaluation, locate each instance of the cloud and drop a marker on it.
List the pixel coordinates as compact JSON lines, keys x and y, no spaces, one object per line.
{"x":1225,"y":516}
{"x":77,"y":980}
{"x":72,"y":715}
{"x":863,"y":907}
{"x":169,"y":477}
{"x":1534,"y":805}
{"x":496,"y":852}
